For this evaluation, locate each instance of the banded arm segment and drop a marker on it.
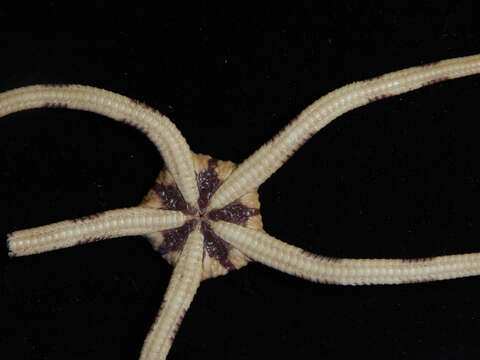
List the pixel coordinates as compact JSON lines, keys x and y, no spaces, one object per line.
{"x":105,"y":225}
{"x":180,"y":292}
{"x":159,"y":129}
{"x":269,"y":158}
{"x":272,"y":252}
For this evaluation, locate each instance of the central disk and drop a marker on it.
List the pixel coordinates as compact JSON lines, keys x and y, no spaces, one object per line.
{"x":219,"y":257}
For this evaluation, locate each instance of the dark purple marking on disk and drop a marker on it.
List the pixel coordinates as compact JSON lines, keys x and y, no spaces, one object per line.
{"x":216,"y":247}
{"x":234,"y":212}
{"x":174,"y":239}
{"x":434,"y":81}
{"x":207,"y":182}
{"x":379,"y":97}
{"x":173,"y":199}
{"x":55,"y":105}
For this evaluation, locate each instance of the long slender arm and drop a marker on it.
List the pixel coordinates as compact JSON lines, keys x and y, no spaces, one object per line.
{"x":287,"y":258}
{"x":109,"y":224}
{"x":160,"y":130}
{"x":268,"y":159}
{"x":180,"y":292}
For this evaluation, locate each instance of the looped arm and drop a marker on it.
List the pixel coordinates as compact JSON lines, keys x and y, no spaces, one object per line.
{"x":159,"y":129}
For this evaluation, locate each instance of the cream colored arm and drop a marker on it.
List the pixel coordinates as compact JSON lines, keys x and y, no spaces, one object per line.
{"x":287,"y":258}
{"x":160,"y":130}
{"x":266,"y":160}
{"x":109,"y":224}
{"x":180,"y":292}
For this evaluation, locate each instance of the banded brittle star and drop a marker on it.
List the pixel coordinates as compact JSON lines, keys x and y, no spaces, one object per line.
{"x":203,"y":214}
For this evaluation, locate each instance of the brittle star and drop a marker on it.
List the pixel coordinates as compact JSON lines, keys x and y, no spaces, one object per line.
{"x":203,"y":215}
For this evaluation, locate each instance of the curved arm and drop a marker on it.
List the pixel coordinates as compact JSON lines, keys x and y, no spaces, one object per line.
{"x":106,"y":225}
{"x":180,"y":292}
{"x":265,"y":161}
{"x":287,"y":258}
{"x":159,"y":129}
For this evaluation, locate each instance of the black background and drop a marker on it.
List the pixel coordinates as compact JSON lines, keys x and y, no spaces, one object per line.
{"x":398,"y":178}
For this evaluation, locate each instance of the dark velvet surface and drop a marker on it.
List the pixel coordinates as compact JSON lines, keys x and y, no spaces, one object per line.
{"x":397,"y":178}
